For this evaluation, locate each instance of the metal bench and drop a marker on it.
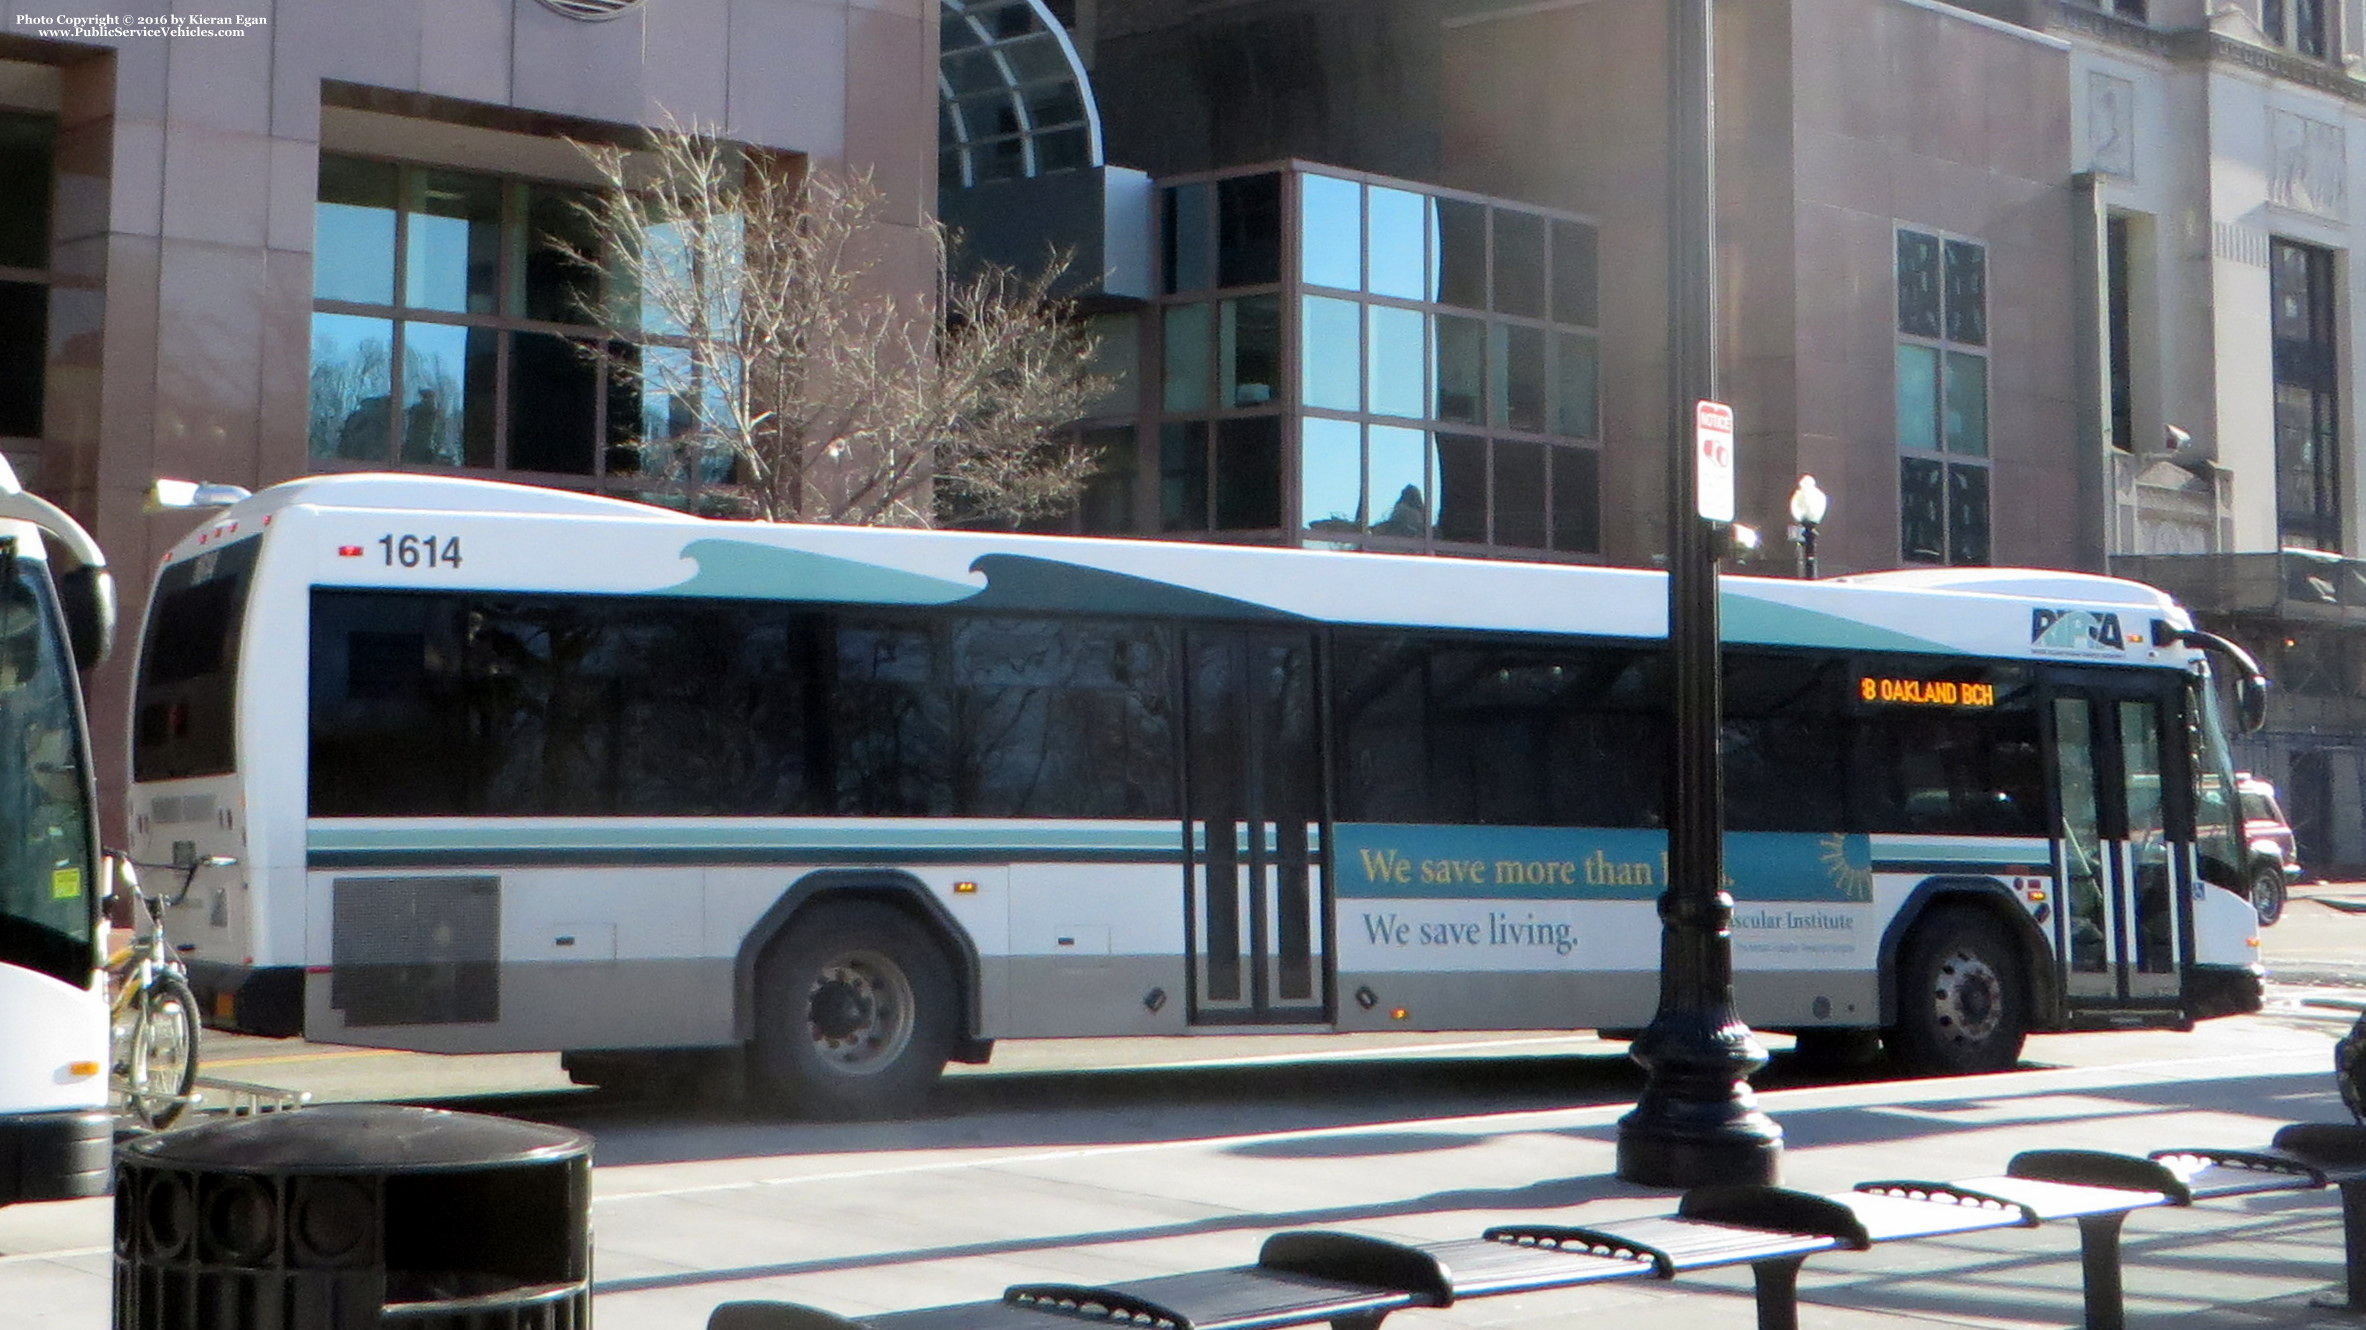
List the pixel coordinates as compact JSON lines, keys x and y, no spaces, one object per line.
{"x":1302,"y":1278}
{"x":1353,"y":1282}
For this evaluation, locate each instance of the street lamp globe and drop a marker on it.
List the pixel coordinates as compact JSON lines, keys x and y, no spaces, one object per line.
{"x":1809,"y":502}
{"x":1807,"y":510}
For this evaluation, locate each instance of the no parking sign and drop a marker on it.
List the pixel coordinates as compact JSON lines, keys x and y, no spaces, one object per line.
{"x":1712,"y":443}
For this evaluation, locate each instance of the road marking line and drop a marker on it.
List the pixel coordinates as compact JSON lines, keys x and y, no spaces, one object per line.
{"x":307,"y":1057}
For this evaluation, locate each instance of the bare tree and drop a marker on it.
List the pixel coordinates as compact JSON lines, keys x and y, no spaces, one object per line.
{"x":766,"y":338}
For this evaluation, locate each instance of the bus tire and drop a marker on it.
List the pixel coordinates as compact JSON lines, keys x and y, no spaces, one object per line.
{"x":1962,"y":998}
{"x":855,"y":1014}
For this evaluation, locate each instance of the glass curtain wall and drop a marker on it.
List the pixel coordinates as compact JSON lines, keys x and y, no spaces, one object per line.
{"x":1351,"y":362}
{"x":451,"y":328}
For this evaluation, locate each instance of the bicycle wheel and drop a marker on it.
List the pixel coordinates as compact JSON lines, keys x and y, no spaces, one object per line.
{"x":161,"y":1071}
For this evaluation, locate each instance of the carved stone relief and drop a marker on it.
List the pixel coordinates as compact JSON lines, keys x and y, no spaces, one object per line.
{"x":2111,"y":125}
{"x":2308,"y":173}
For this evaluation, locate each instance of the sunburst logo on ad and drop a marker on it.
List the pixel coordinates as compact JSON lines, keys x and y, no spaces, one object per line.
{"x":1852,"y":876}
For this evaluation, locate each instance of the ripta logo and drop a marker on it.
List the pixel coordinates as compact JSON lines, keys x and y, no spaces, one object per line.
{"x":2075,"y":630}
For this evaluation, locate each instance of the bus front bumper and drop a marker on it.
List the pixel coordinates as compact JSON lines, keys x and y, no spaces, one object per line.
{"x":56,"y":1156}
{"x":2224,"y":990}
{"x":249,"y":999}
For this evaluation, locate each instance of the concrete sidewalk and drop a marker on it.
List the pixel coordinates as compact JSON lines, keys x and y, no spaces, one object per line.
{"x":691,"y":1212}
{"x":855,"y":1233}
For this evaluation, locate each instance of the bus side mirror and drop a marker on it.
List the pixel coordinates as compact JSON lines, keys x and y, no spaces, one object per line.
{"x":2250,"y":682}
{"x":86,"y":597}
{"x":2251,"y":704}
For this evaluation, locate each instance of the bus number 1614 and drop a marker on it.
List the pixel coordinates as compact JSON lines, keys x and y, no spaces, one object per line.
{"x":415,"y":551}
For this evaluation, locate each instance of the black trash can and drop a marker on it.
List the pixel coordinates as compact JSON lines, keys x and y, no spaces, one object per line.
{"x":352,"y":1215}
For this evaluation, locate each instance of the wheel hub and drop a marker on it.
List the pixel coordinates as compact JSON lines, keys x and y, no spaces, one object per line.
{"x":841,"y":1007}
{"x":1970,"y":999}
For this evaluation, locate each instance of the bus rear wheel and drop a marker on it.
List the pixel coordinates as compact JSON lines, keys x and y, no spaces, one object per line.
{"x":1962,"y":1003}
{"x":855,"y":1014}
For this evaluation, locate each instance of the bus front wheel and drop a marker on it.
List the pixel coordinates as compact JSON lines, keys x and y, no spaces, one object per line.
{"x":855,"y":1014}
{"x":1962,"y":1005}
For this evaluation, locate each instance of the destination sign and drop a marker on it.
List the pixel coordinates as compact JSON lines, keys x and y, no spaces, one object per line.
{"x":1925,"y":692}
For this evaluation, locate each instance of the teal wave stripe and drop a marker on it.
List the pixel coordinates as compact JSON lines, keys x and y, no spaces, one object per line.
{"x":1749,"y":619}
{"x":745,"y":570}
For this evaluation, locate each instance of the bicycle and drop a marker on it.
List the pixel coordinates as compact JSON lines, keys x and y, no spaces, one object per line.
{"x":153,"y":1012}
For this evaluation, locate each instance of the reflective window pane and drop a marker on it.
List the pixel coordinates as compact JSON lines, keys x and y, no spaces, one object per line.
{"x":558,"y":288}
{"x":448,"y":383}
{"x":1462,"y":254}
{"x":26,"y":170}
{"x":1249,"y":230}
{"x":1577,"y":374}
{"x":1519,"y":264}
{"x":1331,"y":354}
{"x":1577,"y":501}
{"x":1918,"y":398}
{"x":1918,"y":284}
{"x":1520,"y":494}
{"x":1461,"y":369}
{"x":1398,"y":244}
{"x":1331,"y":234}
{"x":1190,"y":243}
{"x":1518,"y":362}
{"x":666,"y":411}
{"x":1183,"y":475}
{"x":1187,"y":352}
{"x":1398,"y":362}
{"x":1967,"y":293}
{"x":453,"y":242}
{"x":1574,"y":278}
{"x":353,"y":232}
{"x":1922,"y":510}
{"x":1396,"y":488}
{"x":553,"y":405}
{"x":1331,"y":475}
{"x":1117,"y":357}
{"x":1106,"y":508}
{"x":1462,"y":488}
{"x":24,"y":357}
{"x":1250,"y":352}
{"x":352,"y":409}
{"x":1967,"y":514}
{"x":1967,"y":404}
{"x":1249,"y":474}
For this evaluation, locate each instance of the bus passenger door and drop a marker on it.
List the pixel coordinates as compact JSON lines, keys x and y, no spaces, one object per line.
{"x":2123,"y":866}
{"x":1254,"y":890}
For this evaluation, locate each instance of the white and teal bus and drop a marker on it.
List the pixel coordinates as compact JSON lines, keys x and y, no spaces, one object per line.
{"x":506,"y":769}
{"x":56,"y":1128}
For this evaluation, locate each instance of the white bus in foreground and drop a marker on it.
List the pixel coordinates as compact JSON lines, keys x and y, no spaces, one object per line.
{"x":508,"y":769}
{"x":56,"y":1129}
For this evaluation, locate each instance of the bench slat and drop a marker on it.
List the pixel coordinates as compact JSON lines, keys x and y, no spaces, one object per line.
{"x":1244,"y":1298}
{"x":1484,"y":1267}
{"x":1673,"y":1245}
{"x":2209,"y":1174}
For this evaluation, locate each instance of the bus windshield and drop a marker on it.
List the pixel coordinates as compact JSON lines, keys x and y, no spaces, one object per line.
{"x":2218,"y":819}
{"x":48,"y":905}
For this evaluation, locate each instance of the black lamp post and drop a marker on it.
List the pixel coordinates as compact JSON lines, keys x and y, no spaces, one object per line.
{"x":1808,"y":505}
{"x":1696,"y":1121}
